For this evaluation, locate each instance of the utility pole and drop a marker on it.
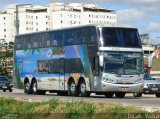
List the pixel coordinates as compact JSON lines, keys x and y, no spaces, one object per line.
{"x":17,"y":17}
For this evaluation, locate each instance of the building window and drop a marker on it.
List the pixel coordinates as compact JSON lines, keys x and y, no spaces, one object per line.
{"x":61,"y":21}
{"x":4,"y":36}
{"x":89,"y":15}
{"x":36,"y":29}
{"x":36,"y":17}
{"x":4,"y":30}
{"x":4,"y":18}
{"x":36,"y":23}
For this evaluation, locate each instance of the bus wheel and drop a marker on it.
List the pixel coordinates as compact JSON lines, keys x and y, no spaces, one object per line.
{"x":27,"y":88}
{"x":35,"y":90}
{"x":34,"y":87}
{"x":109,"y":94}
{"x":82,"y":89}
{"x":72,"y":89}
{"x":137,"y":94}
{"x":120,"y":94}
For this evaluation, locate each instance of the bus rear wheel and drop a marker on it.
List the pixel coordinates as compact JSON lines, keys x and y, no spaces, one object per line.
{"x":72,"y":91}
{"x":35,"y":89}
{"x":109,"y":94}
{"x":120,"y":94}
{"x":27,"y":87}
{"x":82,"y":89}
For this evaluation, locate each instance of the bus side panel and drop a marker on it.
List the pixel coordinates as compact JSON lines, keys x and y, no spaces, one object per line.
{"x":80,"y":51}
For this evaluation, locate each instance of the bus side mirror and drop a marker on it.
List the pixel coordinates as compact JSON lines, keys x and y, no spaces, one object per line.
{"x":101,"y":60}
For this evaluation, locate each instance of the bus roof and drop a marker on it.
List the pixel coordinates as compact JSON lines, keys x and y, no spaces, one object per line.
{"x":95,"y":25}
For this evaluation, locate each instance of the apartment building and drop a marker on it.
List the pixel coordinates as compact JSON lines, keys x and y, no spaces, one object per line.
{"x":33,"y":18}
{"x":7,"y":30}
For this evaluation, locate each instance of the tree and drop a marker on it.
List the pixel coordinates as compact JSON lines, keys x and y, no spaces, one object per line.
{"x":6,"y":58}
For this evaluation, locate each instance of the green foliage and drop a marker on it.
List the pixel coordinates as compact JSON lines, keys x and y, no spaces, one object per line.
{"x":71,"y":110}
{"x":53,"y":104}
{"x":6,"y":57}
{"x":78,"y":110}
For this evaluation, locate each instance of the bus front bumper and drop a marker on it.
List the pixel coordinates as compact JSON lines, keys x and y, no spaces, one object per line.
{"x":128,"y":88}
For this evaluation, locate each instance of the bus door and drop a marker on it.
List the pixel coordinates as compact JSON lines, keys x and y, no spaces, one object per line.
{"x":61,"y":74}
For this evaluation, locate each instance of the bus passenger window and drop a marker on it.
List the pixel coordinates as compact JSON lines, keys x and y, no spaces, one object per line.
{"x":35,"y":44}
{"x":56,"y":38}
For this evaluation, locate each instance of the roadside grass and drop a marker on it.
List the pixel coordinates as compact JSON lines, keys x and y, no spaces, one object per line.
{"x":16,"y":109}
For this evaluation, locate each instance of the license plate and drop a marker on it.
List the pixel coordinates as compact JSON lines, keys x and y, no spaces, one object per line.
{"x":124,"y":89}
{"x":4,"y":86}
{"x":154,"y":89}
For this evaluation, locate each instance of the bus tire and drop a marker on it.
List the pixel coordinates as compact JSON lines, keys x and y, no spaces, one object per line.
{"x":72,"y":91}
{"x":82,"y":89}
{"x":109,"y":95}
{"x":34,"y":87}
{"x":120,"y":94}
{"x":137,"y":94}
{"x":27,"y":87}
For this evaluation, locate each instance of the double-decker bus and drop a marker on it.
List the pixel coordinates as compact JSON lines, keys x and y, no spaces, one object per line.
{"x":77,"y":61}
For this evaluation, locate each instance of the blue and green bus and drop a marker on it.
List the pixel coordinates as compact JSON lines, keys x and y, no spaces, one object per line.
{"x":78,"y":61}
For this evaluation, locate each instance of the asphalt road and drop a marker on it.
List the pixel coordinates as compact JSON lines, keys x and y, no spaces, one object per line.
{"x":147,"y":102}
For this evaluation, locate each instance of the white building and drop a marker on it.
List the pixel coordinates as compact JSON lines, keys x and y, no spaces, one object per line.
{"x":57,"y":15}
{"x":78,"y":14}
{"x":7,"y":30}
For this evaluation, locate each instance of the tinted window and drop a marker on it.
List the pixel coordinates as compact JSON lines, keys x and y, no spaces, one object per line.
{"x":46,"y":39}
{"x":121,"y":37}
{"x":69,"y":37}
{"x":46,"y":67}
{"x":19,"y":43}
{"x":86,"y":35}
{"x":147,"y":77}
{"x":28,"y":42}
{"x":73,"y":66}
{"x":3,"y":79}
{"x":43,"y":67}
{"x":36,"y":40}
{"x":91,"y":37}
{"x":57,"y":38}
{"x":81,"y":37}
{"x":54,"y":66}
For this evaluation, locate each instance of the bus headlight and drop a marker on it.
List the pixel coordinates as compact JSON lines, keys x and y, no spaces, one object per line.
{"x":139,"y":81}
{"x":107,"y":80}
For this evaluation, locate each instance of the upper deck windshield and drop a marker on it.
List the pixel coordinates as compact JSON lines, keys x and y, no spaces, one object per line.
{"x":120,"y":37}
{"x":123,"y":63}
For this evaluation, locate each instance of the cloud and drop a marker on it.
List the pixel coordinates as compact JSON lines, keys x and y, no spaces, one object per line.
{"x":6,"y":4}
{"x":153,"y":27}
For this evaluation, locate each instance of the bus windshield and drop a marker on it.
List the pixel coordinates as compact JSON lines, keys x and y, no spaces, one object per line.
{"x":121,"y":37}
{"x":123,"y":63}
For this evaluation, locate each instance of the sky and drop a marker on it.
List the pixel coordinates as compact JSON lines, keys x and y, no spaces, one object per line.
{"x":142,"y":14}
